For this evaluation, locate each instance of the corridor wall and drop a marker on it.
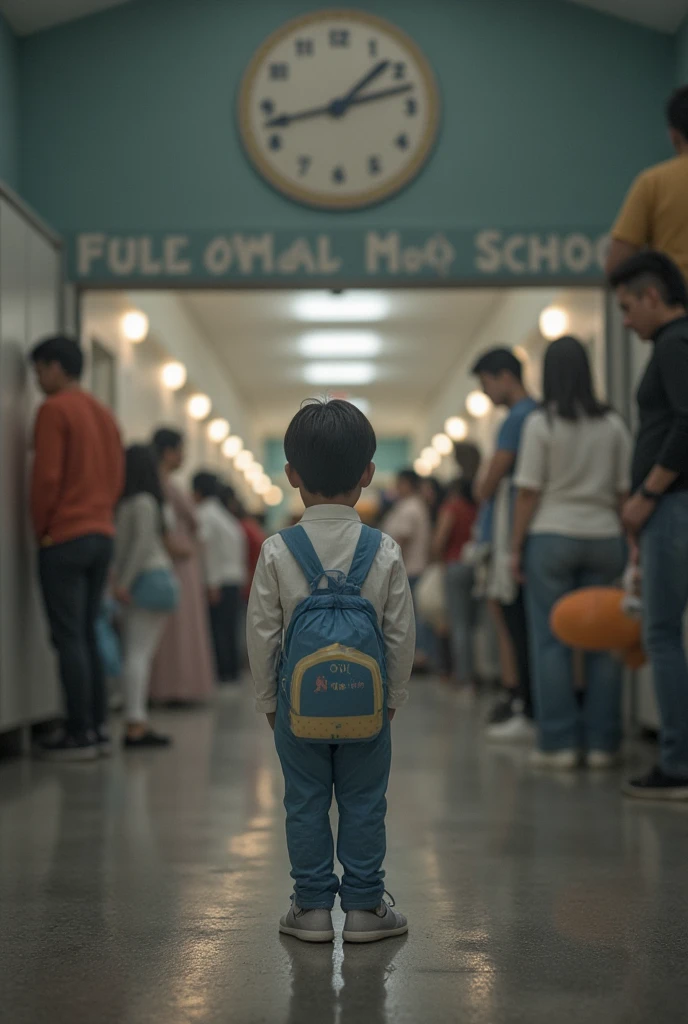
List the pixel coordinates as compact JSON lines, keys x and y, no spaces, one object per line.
{"x":30,"y":307}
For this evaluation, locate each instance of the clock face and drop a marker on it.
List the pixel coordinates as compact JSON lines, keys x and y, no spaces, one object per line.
{"x":339,"y":109}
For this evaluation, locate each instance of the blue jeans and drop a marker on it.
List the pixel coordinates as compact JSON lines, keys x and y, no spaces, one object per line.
{"x":664,"y":560}
{"x":556,"y":565}
{"x":358,"y":774}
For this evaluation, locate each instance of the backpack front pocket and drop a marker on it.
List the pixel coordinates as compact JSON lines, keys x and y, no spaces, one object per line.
{"x":337,"y":694}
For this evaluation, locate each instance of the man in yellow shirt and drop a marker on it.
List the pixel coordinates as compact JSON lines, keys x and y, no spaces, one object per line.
{"x":655,"y":213}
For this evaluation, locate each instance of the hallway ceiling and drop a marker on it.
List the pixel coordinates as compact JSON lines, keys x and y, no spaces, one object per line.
{"x":27,"y":16}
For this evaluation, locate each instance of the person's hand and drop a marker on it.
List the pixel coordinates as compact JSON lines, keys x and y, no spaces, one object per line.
{"x":214,"y":595}
{"x":122,"y":595}
{"x":636,"y":512}
{"x":517,"y":567}
{"x":272,"y":718}
{"x":391,"y":712}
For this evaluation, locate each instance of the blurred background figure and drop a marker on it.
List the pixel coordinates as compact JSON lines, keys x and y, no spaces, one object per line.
{"x":573,"y":476}
{"x":408,"y":523}
{"x":144,"y":585}
{"x":224,"y":558}
{"x":433,"y":494}
{"x":453,"y":531}
{"x":253,"y":531}
{"x":183,"y":670}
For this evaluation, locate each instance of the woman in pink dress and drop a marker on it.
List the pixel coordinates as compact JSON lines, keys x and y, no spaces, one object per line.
{"x":183,"y":669}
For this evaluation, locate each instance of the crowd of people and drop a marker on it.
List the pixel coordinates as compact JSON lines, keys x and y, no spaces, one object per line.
{"x":126,"y":554}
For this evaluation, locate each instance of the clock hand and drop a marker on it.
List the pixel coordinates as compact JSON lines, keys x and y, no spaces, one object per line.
{"x":284,"y":120}
{"x":340,"y":106}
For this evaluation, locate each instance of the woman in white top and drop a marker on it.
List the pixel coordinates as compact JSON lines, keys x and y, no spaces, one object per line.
{"x":140,"y":549}
{"x":572,"y":477}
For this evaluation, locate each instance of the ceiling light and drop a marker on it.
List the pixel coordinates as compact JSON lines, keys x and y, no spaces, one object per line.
{"x":422,"y":467}
{"x":135,"y":326}
{"x":339,"y":373}
{"x":430,"y":456}
{"x":478,"y":404}
{"x":173,"y":376}
{"x":274,"y":496}
{"x":457,"y":428}
{"x":198,"y":407}
{"x":232,"y":446}
{"x":554,"y":322}
{"x":348,"y":307}
{"x":243,"y":460}
{"x":442,"y":444}
{"x":218,"y":430}
{"x":347,"y":344}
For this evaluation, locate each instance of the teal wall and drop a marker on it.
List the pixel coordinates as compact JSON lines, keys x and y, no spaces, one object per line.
{"x":549,"y":111}
{"x":9,"y":138}
{"x":682,"y":52}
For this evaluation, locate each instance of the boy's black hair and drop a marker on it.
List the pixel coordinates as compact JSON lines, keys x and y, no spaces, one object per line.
{"x":58,"y":348}
{"x":206,"y":484}
{"x":330,"y":444}
{"x":652,"y":269}
{"x":499,"y":360}
{"x":410,"y":476}
{"x":166,"y":439}
{"x":677,"y":111}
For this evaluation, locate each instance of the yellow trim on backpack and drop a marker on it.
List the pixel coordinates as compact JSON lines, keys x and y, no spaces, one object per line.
{"x":347,"y":727}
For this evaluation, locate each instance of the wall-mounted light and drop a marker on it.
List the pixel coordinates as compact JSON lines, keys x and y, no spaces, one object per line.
{"x":422,"y":467}
{"x":274,"y":496}
{"x":554,"y":322}
{"x":232,"y":446}
{"x":198,"y":407}
{"x":135,"y":326}
{"x":443,"y":444}
{"x":254,"y":473}
{"x":478,"y":404}
{"x":457,"y":428}
{"x":430,"y":456}
{"x":262,"y":485}
{"x":243,"y":460}
{"x":173,"y":376}
{"x":218,"y":430}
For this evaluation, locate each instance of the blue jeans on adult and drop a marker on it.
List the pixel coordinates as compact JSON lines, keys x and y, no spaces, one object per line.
{"x":556,"y":565}
{"x":358,"y":774}
{"x":664,"y":561}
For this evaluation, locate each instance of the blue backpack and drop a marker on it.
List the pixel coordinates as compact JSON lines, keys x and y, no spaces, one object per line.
{"x":332,"y":669}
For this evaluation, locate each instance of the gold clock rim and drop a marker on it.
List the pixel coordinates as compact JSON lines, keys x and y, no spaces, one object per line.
{"x":321,"y":200}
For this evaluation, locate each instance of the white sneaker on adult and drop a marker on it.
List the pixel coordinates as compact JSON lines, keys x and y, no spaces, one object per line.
{"x":602,"y":760}
{"x":517,"y":729}
{"x":555,"y":760}
{"x":307,"y":925}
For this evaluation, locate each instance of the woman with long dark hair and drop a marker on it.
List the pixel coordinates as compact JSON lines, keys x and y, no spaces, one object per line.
{"x":144,"y":585}
{"x":572,"y":478}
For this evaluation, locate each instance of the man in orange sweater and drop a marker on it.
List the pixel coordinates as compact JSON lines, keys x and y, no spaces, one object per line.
{"x":78,"y":476}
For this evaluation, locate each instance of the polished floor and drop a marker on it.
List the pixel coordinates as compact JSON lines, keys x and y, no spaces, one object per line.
{"x":146,"y":889}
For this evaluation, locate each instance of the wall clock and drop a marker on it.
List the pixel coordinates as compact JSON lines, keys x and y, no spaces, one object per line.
{"x":339,"y":109}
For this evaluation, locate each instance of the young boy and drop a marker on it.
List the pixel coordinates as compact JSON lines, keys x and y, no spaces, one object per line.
{"x":329,"y":448}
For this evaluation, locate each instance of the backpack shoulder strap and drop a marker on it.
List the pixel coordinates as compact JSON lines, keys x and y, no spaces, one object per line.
{"x":364,"y":556}
{"x":299,"y":544}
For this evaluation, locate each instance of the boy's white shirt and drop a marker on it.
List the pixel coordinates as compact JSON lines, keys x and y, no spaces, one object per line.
{"x":279,"y":586}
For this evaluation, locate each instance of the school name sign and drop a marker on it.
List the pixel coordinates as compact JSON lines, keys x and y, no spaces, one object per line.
{"x":367,"y":256}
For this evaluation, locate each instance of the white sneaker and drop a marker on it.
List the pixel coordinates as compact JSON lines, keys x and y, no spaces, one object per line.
{"x":602,"y":760}
{"x":555,"y":760}
{"x":308,"y":925}
{"x":517,"y":729}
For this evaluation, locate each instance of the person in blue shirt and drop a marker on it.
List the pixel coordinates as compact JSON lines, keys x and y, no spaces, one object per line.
{"x":501,"y":377}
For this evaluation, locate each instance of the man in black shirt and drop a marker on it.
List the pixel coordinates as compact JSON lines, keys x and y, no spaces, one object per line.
{"x":653,"y":297}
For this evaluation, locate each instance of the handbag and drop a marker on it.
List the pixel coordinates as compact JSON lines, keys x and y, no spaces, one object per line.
{"x":431,"y":596}
{"x":155,"y":590}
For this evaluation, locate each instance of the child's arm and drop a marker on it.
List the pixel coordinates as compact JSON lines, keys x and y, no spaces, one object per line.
{"x":399,"y":629}
{"x":264,"y":635}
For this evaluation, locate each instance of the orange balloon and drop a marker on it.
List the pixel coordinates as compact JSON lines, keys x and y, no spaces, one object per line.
{"x":593,"y":620}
